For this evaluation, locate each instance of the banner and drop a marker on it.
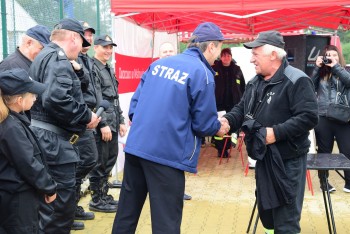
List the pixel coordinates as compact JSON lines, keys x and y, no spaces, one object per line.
{"x":136,"y":49}
{"x":129,"y":71}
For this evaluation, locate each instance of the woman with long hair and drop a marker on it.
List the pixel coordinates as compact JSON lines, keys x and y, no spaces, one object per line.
{"x":329,"y":77}
{"x":23,"y":175}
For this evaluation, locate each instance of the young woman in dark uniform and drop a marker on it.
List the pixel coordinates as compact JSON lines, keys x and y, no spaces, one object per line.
{"x":23,"y":175}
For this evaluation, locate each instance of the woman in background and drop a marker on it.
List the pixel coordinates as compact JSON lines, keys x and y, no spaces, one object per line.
{"x":23,"y":175}
{"x":330,"y":72}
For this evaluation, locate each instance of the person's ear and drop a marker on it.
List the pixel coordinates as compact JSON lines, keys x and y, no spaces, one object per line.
{"x":273,"y":55}
{"x":19,"y":100}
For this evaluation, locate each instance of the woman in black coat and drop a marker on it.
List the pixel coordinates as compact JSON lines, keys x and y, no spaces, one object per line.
{"x":329,"y":75}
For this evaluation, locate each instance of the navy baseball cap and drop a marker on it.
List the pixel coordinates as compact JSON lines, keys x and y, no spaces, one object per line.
{"x":269,"y":37}
{"x":86,"y":26}
{"x":208,"y":31}
{"x":104,"y":40}
{"x":17,"y":81}
{"x":39,"y":33}
{"x":73,"y":25}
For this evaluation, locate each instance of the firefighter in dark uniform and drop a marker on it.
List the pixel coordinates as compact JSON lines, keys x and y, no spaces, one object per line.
{"x":32,"y":43}
{"x":58,"y":118}
{"x":86,"y":143}
{"x":111,"y":123}
{"x":24,"y":177}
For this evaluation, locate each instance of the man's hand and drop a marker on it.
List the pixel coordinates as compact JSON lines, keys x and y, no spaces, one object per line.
{"x":49,"y":199}
{"x":270,"y":136}
{"x":94,"y":121}
{"x":106,"y":133}
{"x":225,"y":127}
{"x":76,"y":66}
{"x":122,"y":130}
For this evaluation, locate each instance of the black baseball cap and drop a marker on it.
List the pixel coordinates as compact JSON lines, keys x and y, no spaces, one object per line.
{"x":86,"y":26}
{"x":17,"y":81}
{"x":40,"y":33}
{"x":208,"y":31}
{"x":73,"y":25}
{"x":104,"y":40}
{"x":269,"y":37}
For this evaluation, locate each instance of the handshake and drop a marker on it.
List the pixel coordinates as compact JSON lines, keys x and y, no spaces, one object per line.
{"x":225,"y":127}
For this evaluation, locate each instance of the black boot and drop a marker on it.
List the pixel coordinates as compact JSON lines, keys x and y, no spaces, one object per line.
{"x":97,"y":203}
{"x":80,"y":213}
{"x":77,"y":226}
{"x":105,"y":196}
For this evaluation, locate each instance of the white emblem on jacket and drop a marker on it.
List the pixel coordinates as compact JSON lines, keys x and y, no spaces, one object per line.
{"x":270,"y":94}
{"x":170,"y":73}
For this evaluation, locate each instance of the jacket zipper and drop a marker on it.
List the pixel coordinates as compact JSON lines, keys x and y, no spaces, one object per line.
{"x":195,"y":147}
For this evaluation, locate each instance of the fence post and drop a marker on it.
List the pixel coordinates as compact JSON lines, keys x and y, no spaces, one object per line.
{"x":98,"y":18}
{"x":4,"y":29}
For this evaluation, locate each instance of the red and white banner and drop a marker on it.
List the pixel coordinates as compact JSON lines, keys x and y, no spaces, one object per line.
{"x":136,"y":49}
{"x":129,"y":71}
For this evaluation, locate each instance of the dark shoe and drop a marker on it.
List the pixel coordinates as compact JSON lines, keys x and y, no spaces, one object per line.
{"x":80,"y":214}
{"x":115,"y":184}
{"x":110,"y":200}
{"x":102,"y":206}
{"x":77,"y":226}
{"x":330,"y":188}
{"x":187,"y":197}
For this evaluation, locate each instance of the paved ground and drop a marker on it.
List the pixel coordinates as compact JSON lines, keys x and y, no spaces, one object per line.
{"x":223,"y":199}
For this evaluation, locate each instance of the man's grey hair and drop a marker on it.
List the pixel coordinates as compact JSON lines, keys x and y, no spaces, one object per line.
{"x":267,"y":50}
{"x":201,"y":45}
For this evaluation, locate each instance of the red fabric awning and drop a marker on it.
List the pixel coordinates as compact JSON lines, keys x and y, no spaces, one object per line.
{"x":235,"y":17}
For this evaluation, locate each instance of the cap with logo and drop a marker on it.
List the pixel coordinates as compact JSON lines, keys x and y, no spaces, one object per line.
{"x":17,"y":81}
{"x":273,"y":38}
{"x":73,"y":25}
{"x":86,"y":26}
{"x":208,"y":31}
{"x":104,"y":40}
{"x":39,"y":33}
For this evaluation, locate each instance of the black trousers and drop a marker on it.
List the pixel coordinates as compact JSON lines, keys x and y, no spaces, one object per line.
{"x":19,"y":212}
{"x":58,"y":216}
{"x":61,"y":157}
{"x":325,"y":131}
{"x":286,"y":219}
{"x":88,"y":157}
{"x":107,"y":157}
{"x":165,"y":186}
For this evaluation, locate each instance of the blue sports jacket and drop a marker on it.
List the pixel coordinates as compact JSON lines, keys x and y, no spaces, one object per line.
{"x":171,"y":109}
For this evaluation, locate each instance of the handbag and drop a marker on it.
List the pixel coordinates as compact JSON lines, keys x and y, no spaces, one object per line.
{"x":339,"y":111}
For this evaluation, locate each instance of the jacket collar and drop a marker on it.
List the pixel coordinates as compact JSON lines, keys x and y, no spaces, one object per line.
{"x":195,"y":52}
{"x":21,"y":116}
{"x":99,"y":64}
{"x":279,"y":74}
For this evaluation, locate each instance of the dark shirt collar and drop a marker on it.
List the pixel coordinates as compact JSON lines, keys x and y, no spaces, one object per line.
{"x":21,"y":116}
{"x":25,"y":59}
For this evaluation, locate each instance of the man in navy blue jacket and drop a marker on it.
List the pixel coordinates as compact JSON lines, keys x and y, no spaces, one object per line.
{"x":172,"y":108}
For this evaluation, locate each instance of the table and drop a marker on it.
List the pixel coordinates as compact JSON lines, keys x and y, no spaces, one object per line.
{"x":324,"y":162}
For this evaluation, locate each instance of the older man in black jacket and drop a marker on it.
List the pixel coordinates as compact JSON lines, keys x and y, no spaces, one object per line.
{"x":282,"y":99}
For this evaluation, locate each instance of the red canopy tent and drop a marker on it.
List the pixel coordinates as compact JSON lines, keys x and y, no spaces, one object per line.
{"x":247,"y":17}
